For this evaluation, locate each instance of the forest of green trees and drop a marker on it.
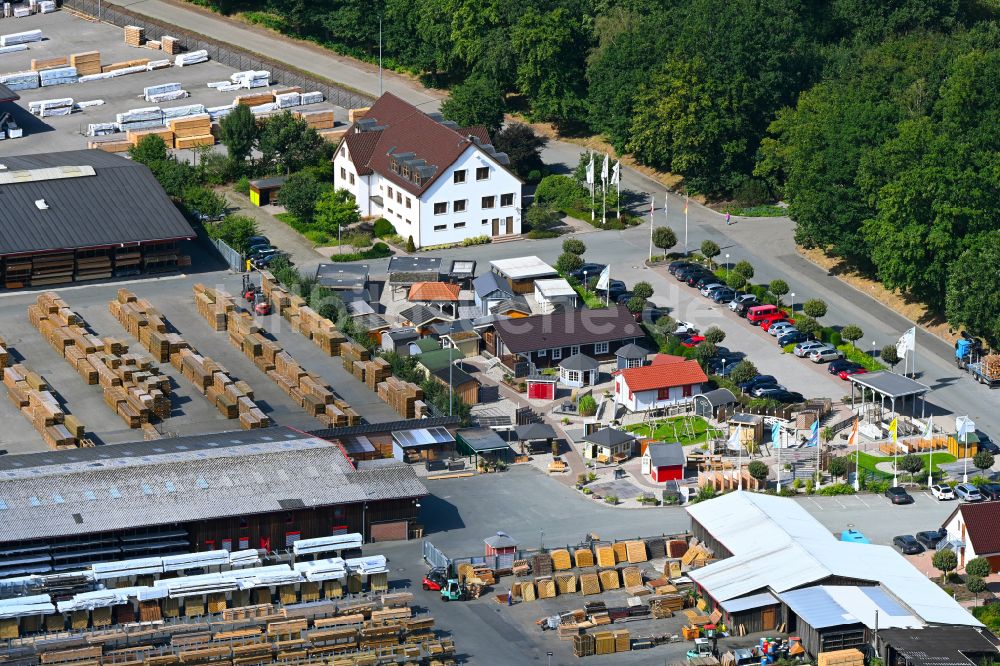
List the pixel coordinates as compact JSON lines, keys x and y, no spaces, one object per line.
{"x":878,"y":121}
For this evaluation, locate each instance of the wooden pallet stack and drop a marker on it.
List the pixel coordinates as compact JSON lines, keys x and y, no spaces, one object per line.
{"x":192,"y":131}
{"x":351,"y":353}
{"x":135,"y":36}
{"x":124,"y":64}
{"x":135,"y":136}
{"x":144,"y":323}
{"x":233,"y":399}
{"x":214,"y":305}
{"x":318,"y":119}
{"x":86,"y":63}
{"x":32,"y":395}
{"x":255,"y":99}
{"x":170,"y":45}
{"x":95,"y":266}
{"x":132,"y":383}
{"x":376,"y":371}
{"x":321,"y":331}
{"x":38,"y":64}
{"x":401,"y":396}
{"x":52,"y":269}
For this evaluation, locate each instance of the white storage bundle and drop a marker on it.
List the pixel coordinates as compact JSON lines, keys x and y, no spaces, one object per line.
{"x":183,"y":111}
{"x":52,"y":107}
{"x":136,"y":567}
{"x":20,"y":80}
{"x":287,"y":100}
{"x":367,"y":566}
{"x":187,"y":586}
{"x":333,"y":568}
{"x":251,"y":78}
{"x":159,"y":89}
{"x":89,"y":103}
{"x":209,"y":558}
{"x":144,"y":118}
{"x":22,"y":12}
{"x":218,"y":112}
{"x":102,"y":129}
{"x":47,"y":6}
{"x":21,"y":37}
{"x":263,"y":108}
{"x":278,"y":574}
{"x":314,"y":97}
{"x":192,"y":58}
{"x":97,"y":599}
{"x":13,"y":48}
{"x":327,"y":544}
{"x":168,"y":96}
{"x":57,"y":76}
{"x":157,"y":64}
{"x":244,"y":558}
{"x":39,"y":604}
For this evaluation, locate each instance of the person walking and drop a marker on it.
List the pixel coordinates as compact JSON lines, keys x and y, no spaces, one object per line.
{"x":728,"y":218}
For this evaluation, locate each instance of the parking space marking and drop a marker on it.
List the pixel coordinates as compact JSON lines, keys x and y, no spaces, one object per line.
{"x":863,"y":502}
{"x":818,"y":505}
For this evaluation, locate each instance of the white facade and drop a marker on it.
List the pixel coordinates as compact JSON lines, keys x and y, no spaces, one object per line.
{"x":959,"y":531}
{"x":475,"y":196}
{"x":640,"y":401}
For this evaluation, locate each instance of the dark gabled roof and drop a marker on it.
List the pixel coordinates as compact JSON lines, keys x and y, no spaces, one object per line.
{"x":489,"y":283}
{"x":451,"y":327}
{"x":517,"y":304}
{"x":342,"y":276}
{"x":7,"y":95}
{"x":938,"y":646}
{"x":269,"y":182}
{"x":982,"y":525}
{"x":420,"y":315}
{"x":458,"y":377}
{"x":632,"y":351}
{"x":370,"y":322}
{"x":580,"y":362}
{"x":666,"y":455}
{"x":534,"y":431}
{"x":608,"y":437}
{"x":408,"y":264}
{"x":439,"y":358}
{"x":401,"y":334}
{"x":121,"y":203}
{"x":399,"y":127}
{"x":565,"y":329}
{"x":427,"y":344}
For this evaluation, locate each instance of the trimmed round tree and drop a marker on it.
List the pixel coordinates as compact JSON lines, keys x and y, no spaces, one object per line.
{"x":744,"y":268}
{"x":568,"y":262}
{"x":815,"y":308}
{"x":852,"y":333}
{"x":945,"y":561}
{"x":983,"y":460}
{"x":714,"y":334}
{"x":710,"y":249}
{"x":664,"y":238}
{"x":643,"y":289}
{"x":574,"y":246}
{"x":758,"y":470}
{"x":889,"y":355}
{"x":779,"y":288}
{"x":978,"y":566}
{"x":743,"y":371}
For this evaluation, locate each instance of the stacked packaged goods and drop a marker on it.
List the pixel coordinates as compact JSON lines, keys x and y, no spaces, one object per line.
{"x":314,"y":97}
{"x":135,"y":136}
{"x":20,"y":80}
{"x":134,"y":35}
{"x":38,"y":64}
{"x":192,"y":58}
{"x":57,"y":76}
{"x":251,"y":79}
{"x":163,"y":92}
{"x":51,"y":107}
{"x":25,"y":37}
{"x":170,"y":45}
{"x":86,"y":63}
{"x":192,"y":131}
{"x":318,"y":119}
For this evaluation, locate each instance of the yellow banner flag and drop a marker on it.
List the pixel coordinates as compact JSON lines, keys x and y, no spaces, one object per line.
{"x":892,"y":430}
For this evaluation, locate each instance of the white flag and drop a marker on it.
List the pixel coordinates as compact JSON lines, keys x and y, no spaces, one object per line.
{"x":907,"y":342}
{"x":734,"y":440}
{"x":604,"y":279}
{"x":590,"y":170}
{"x":604,"y":169}
{"x":929,"y":428}
{"x":616,"y":173}
{"x":964,"y":426}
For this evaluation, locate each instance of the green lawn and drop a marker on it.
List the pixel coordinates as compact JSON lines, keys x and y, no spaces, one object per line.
{"x":673,"y":430}
{"x":756,"y":211}
{"x":868,"y":462}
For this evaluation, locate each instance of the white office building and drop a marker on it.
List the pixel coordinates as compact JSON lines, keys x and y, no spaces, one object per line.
{"x":434,"y":181}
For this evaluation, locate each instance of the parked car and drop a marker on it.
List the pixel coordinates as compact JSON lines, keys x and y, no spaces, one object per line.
{"x":743,"y":301}
{"x":759,"y":390}
{"x":591,"y":269}
{"x":852,"y":370}
{"x":759,"y":380}
{"x":766,"y":324}
{"x":723,"y":365}
{"x":931,"y":538}
{"x":907,"y":544}
{"x":778,"y":393}
{"x":724,"y":295}
{"x":803,"y":349}
{"x":778,"y":328}
{"x":988,"y":445}
{"x":942,"y":492}
{"x":840,"y":364}
{"x":990,"y":491}
{"x":692,"y":340}
{"x":622,"y":298}
{"x":898,"y":495}
{"x":685,"y":327}
{"x":256,"y":249}
{"x":267,"y":260}
{"x":826,"y":354}
{"x":790,"y":336}
{"x":684,"y":274}
{"x":704,"y":281}
{"x":258,"y":240}
{"x":968,"y":492}
{"x":710,"y":287}
{"x":692,"y":279}
{"x":675,"y":266}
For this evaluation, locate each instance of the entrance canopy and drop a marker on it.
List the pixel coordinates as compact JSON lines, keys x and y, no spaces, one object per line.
{"x":889,"y":384}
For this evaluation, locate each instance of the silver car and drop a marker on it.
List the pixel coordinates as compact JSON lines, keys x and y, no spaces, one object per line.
{"x":825,"y":354}
{"x":779,"y":329}
{"x":709,"y":288}
{"x":740,"y":300}
{"x":805,"y":348}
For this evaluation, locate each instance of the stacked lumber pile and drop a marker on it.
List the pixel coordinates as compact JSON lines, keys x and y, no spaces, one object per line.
{"x":850,"y":657}
{"x":306,"y":389}
{"x":317,"y":119}
{"x":133,"y":385}
{"x":144,"y":323}
{"x":125,"y":64}
{"x":401,"y":396}
{"x":170,"y":45}
{"x":696,"y":556}
{"x":376,"y":371}
{"x":32,"y":395}
{"x":135,"y":136}
{"x":255,"y":99}
{"x":991,"y":365}
{"x":320,"y":330}
{"x":38,"y":64}
{"x":86,"y":63}
{"x":350,"y":354}
{"x":192,"y":131}
{"x":135,"y":36}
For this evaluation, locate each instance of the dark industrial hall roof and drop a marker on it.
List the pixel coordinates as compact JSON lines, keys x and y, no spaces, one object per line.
{"x":566,"y":329}
{"x":7,"y":95}
{"x":82,"y":199}
{"x":162,"y":482}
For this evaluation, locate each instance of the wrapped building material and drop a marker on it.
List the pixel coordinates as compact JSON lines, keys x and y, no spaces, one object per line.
{"x":252,"y":78}
{"x":244,"y":558}
{"x":192,"y":58}
{"x":270,"y":107}
{"x":20,"y":80}
{"x":366,"y":566}
{"x":277,"y":574}
{"x":57,"y":76}
{"x":288,"y":100}
{"x":217,"y":112}
{"x":136,"y":567}
{"x":13,"y":48}
{"x":95,"y":599}
{"x":209,"y":558}
{"x":160,"y":89}
{"x":25,"y":37}
{"x":51,"y":107}
{"x":327,"y":544}
{"x":86,"y":104}
{"x":135,"y":115}
{"x":183,"y":111}
{"x":333,"y":568}
{"x":38,"y":604}
{"x":157,"y":64}
{"x":168,"y":96}
{"x":311,"y":98}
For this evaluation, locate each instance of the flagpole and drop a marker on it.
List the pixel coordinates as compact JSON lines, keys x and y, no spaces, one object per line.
{"x":686,"y":201}
{"x":778,"y":445}
{"x":739,"y":463}
{"x":604,"y":203}
{"x":857,"y":455}
{"x":652,"y":207}
{"x":618,"y":190}
{"x":607,"y":292}
{"x":593,"y":182}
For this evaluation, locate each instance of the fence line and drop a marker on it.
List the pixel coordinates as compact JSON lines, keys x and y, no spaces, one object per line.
{"x":235,"y":260}
{"x":228,"y":54}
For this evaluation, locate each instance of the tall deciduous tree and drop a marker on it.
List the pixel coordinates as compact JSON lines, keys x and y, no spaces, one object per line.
{"x":288,"y":144}
{"x":522,"y":146}
{"x":335,"y":210}
{"x":973,"y":295}
{"x":477,"y":101}
{"x":239,"y":132}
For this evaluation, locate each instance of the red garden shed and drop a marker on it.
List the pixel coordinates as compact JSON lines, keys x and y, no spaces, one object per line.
{"x":663,"y":462}
{"x":500,"y":544}
{"x":541,"y":387}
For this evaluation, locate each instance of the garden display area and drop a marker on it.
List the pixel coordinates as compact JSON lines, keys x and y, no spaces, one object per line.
{"x":684,"y":429}
{"x":869,"y":463}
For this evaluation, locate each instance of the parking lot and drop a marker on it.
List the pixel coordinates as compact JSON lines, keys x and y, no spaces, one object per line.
{"x":192,"y":413}
{"x":65,"y":33}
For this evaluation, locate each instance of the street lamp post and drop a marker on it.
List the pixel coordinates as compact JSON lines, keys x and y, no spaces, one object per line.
{"x":791,"y":301}
{"x":727,"y":268}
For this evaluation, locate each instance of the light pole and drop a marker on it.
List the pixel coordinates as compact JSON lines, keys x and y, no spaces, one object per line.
{"x":727,"y":268}
{"x":791,"y":301}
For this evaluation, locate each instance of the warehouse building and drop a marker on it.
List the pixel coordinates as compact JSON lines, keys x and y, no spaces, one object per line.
{"x":779,"y":569}
{"x":233,"y":491}
{"x":84,"y":215}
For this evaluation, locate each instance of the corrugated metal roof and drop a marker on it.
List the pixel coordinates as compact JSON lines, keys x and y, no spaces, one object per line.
{"x":520,"y":268}
{"x":748,"y":603}
{"x":122,"y":203}
{"x":798,"y":551}
{"x":817,"y":608}
{"x":202,"y":479}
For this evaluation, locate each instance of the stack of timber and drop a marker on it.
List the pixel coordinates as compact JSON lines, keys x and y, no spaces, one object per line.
{"x":255,"y":99}
{"x":53,"y":268}
{"x":144,"y":323}
{"x":132,"y":383}
{"x":320,"y":330}
{"x":32,"y":395}
{"x":306,"y":389}
{"x":317,"y":119}
{"x":95,"y":265}
{"x":401,"y":396}
{"x":192,"y":131}
{"x":86,"y":63}
{"x":351,"y":354}
{"x":170,"y":45}
{"x":134,"y":35}
{"x":125,"y":64}
{"x":38,"y":64}
{"x":135,"y":136}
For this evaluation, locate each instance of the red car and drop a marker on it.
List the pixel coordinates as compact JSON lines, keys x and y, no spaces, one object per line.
{"x":693,"y":341}
{"x":768,"y":323}
{"x":844,"y":374}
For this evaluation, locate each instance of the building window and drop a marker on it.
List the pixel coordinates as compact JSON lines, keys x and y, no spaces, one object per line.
{"x":557,"y":354}
{"x":441,"y":208}
{"x":399,"y":197}
{"x":244,"y":543}
{"x":489,"y":202}
{"x":407,"y":202}
{"x":483,"y":173}
{"x":440,"y":227}
{"x":227,"y":545}
{"x":486,"y":222}
{"x":352,"y":178}
{"x":575,"y":349}
{"x":460,"y":205}
{"x":573,"y":376}
{"x":686,"y":391}
{"x":542,"y":353}
{"x":343,"y":173}
{"x":507,"y":199}
{"x":663,"y":393}
{"x":390,"y":210}
{"x":460,"y":225}
{"x":343,"y":151}
{"x":388,"y":189}
{"x":600,"y":347}
{"x":460,"y":176}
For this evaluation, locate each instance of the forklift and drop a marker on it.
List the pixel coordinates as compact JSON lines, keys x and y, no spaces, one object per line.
{"x":254,"y":295}
{"x":453,"y":591}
